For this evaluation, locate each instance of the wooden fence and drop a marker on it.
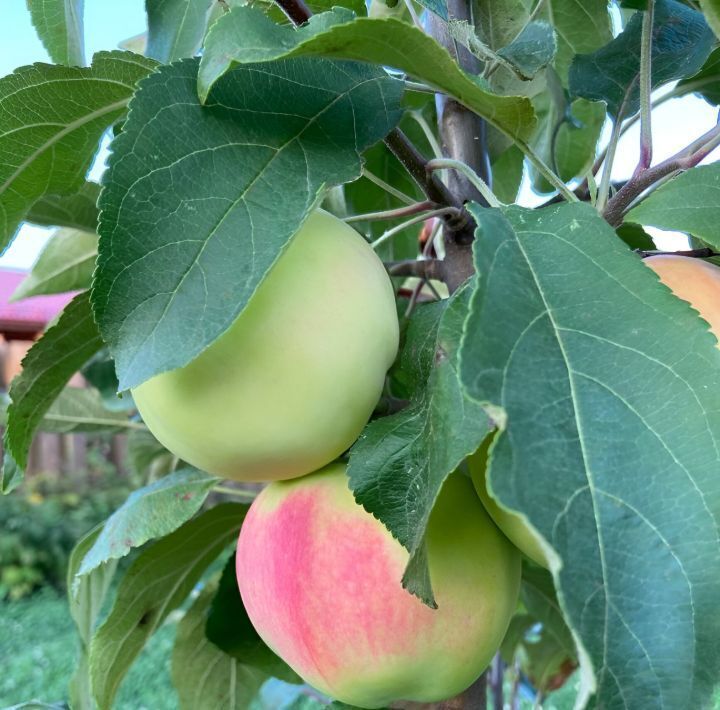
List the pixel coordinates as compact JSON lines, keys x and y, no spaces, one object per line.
{"x":60,"y":453}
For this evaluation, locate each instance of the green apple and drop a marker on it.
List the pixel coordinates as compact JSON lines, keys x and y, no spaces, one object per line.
{"x":320,"y":580}
{"x":290,"y":385}
{"x":513,"y":525}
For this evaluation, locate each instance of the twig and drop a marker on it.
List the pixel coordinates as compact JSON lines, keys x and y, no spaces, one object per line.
{"x":683,"y":160}
{"x":646,"y":144}
{"x":422,"y":268}
{"x":496,"y":682}
{"x":704,"y":253}
{"x":427,"y":131}
{"x":604,"y":187}
{"x":415,"y":163}
{"x":441,"y":212}
{"x":419,"y":86}
{"x":413,"y":298}
{"x":609,"y":155}
{"x":469,"y":173}
{"x":296,"y":10}
{"x":388,"y":188}
{"x":392,"y":214}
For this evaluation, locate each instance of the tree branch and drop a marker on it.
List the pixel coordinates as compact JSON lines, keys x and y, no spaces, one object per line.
{"x":422,"y":268}
{"x":415,"y":163}
{"x":296,"y":10}
{"x":683,"y":160}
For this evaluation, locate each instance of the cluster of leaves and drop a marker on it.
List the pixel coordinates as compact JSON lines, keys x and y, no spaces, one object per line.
{"x":604,"y":388}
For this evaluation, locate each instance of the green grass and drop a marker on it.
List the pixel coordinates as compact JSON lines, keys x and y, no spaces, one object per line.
{"x":38,"y":646}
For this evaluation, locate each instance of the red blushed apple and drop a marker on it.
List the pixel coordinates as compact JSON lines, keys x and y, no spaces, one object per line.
{"x":320,"y":579}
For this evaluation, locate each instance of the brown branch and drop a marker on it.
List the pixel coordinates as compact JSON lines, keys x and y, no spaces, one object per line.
{"x":422,"y":268}
{"x":683,"y":160}
{"x":296,"y":10}
{"x":414,"y":162}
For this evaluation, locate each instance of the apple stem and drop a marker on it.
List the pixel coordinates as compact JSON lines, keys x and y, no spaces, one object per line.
{"x":413,"y":209}
{"x":441,"y":212}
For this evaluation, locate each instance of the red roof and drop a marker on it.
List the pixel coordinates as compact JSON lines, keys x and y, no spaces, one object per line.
{"x":30,"y":315}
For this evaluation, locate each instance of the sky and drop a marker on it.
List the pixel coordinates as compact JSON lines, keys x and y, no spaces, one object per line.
{"x":109,"y":22}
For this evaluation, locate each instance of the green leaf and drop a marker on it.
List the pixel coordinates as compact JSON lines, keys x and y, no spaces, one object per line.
{"x":539,"y":638}
{"x":567,"y":139}
{"x":11,"y":475}
{"x":705,"y":83}
{"x":399,"y":463}
{"x":99,"y":372}
{"x":273,"y":11}
{"x":581,"y":26}
{"x":711,"y":8}
{"x":59,"y":24}
{"x":77,"y":210}
{"x":507,"y":174}
{"x":439,"y":7}
{"x":682,"y":42}
{"x":50,"y":363}
{"x":239,"y":181}
{"x":176,"y":28}
{"x":246,"y":35}
{"x":81,"y":410}
{"x":144,"y":450}
{"x":688,"y":203}
{"x":532,"y":50}
{"x":158,"y":581}
{"x":51,"y":119}
{"x":150,"y":512}
{"x":229,"y":628}
{"x":499,"y":22}
{"x":537,"y":594}
{"x":66,"y":263}
{"x":593,"y":360}
{"x":635,"y":236}
{"x":202,"y":674}
{"x":85,"y":601}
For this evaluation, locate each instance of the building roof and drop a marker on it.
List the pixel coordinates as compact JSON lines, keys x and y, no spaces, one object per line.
{"x":30,"y":315}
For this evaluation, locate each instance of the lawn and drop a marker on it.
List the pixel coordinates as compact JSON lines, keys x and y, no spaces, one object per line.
{"x":38,"y":646}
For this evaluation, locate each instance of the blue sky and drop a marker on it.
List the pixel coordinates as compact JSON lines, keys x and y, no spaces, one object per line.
{"x":108,"y":22}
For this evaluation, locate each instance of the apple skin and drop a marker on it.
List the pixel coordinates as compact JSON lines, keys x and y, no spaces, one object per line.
{"x":692,"y":280}
{"x":512,"y":524}
{"x":320,"y":580}
{"x":290,"y":385}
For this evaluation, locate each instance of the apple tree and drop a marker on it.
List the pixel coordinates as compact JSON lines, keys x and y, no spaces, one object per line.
{"x":312,"y":248}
